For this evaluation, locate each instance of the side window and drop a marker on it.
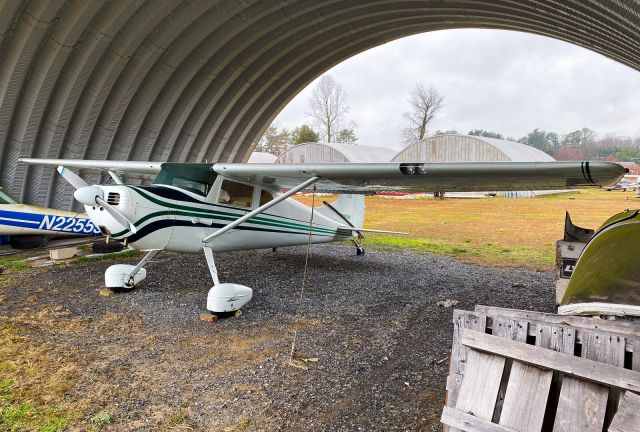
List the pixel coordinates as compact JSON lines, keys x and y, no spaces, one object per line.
{"x":265,"y":197}
{"x":236,"y":194}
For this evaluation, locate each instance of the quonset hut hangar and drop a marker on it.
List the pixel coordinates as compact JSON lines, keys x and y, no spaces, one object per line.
{"x":335,"y":153}
{"x":438,"y":148}
{"x":198,"y":80}
{"x":467,"y":148}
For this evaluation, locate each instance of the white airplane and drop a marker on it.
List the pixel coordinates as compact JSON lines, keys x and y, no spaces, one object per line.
{"x":226,"y":206}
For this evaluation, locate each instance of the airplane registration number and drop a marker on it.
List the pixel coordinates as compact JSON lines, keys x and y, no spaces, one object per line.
{"x":68,"y":224}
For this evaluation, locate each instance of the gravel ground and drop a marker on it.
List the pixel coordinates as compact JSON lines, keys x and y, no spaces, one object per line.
{"x":372,"y":321}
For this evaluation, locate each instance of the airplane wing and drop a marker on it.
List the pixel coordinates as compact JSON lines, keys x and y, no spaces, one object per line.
{"x":427,"y":177}
{"x":366,"y":178}
{"x":138,"y":167}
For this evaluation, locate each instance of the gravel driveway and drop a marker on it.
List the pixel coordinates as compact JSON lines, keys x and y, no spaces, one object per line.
{"x":372,"y":322}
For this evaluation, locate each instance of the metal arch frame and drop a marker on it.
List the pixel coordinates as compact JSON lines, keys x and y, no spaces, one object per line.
{"x":187,"y":81}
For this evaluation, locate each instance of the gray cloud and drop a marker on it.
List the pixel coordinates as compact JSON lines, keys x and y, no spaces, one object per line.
{"x":504,"y":81}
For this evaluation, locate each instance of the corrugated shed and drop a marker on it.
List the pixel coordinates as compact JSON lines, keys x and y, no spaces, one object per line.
{"x":262,"y":157}
{"x":467,"y":148}
{"x":335,"y":153}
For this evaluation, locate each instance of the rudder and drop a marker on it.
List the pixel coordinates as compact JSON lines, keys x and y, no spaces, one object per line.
{"x":350,"y":206}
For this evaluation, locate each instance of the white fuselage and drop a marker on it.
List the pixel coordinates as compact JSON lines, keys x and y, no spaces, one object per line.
{"x":170,"y":218}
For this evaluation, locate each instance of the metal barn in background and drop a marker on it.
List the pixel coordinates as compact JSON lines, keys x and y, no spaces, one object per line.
{"x":335,"y":153}
{"x":467,"y":148}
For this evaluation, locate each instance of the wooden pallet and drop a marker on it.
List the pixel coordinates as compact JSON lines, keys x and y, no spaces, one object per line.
{"x":514,"y":370}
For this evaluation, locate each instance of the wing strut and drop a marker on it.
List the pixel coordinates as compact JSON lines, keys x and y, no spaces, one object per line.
{"x":208,"y":239}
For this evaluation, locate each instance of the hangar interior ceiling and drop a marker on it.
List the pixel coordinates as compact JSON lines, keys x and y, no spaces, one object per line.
{"x":199,"y":80}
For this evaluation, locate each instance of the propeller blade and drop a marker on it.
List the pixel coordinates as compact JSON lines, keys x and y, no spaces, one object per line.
{"x":72,"y":178}
{"x":122,"y":220}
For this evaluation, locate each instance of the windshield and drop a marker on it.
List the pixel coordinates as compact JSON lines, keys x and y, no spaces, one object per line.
{"x":196,"y":178}
{"x":6,"y":198}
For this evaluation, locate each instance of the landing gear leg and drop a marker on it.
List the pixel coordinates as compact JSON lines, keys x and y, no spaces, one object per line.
{"x":224,"y":298}
{"x":127,"y":276}
{"x":359,"y":247}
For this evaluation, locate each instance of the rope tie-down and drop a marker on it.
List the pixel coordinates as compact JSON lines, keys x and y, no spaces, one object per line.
{"x":294,"y":360}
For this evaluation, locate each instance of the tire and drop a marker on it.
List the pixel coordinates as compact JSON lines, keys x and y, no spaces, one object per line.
{"x":103,"y":247}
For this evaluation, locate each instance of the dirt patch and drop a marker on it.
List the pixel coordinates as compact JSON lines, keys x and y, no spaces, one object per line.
{"x":144,"y":361}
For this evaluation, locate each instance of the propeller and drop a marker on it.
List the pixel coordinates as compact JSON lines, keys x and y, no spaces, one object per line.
{"x":72,"y":178}
{"x":92,"y":195}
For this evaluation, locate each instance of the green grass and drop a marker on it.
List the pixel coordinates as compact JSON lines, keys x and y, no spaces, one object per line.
{"x":14,"y":262}
{"x":105,"y":257}
{"x":32,"y":388}
{"x":19,"y":415}
{"x":519,"y":232}
{"x":469,"y":252}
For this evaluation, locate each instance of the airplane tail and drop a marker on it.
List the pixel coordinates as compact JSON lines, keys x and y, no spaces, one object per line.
{"x":349,"y":206}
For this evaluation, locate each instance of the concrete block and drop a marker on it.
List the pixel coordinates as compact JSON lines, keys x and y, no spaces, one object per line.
{"x":64,"y":253}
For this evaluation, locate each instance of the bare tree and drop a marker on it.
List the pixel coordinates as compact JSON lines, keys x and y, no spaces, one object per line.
{"x":425,"y":103}
{"x":328,"y":106}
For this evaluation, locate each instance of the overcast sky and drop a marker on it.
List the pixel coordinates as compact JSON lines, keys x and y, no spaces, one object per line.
{"x":502,"y":81}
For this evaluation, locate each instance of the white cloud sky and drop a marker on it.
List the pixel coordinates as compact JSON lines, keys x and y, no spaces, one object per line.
{"x":503,"y":81}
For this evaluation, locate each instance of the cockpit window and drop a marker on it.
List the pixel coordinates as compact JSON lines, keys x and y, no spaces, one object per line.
{"x":6,"y":198}
{"x":235,"y":194}
{"x":196,"y":178}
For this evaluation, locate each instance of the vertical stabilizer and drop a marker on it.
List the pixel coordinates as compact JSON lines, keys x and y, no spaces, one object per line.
{"x":349,"y":206}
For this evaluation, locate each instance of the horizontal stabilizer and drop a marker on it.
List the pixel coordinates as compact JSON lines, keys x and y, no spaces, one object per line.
{"x":355,"y":229}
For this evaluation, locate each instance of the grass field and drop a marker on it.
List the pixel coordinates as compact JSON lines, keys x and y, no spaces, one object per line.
{"x":515,"y":232}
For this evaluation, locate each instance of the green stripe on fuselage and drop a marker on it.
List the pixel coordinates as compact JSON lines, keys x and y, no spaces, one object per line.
{"x":188,"y":211}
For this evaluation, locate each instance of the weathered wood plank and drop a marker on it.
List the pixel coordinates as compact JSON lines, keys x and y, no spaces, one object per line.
{"x":627,"y":419}
{"x":560,"y":339}
{"x":534,"y":327}
{"x":511,"y":329}
{"x":515,"y":330}
{"x":635,"y":357}
{"x":525,"y":400}
{"x":605,"y":348}
{"x":590,"y":370}
{"x":581,"y":407}
{"x":457,"y":363}
{"x":466,"y":422}
{"x":587,"y":323}
{"x":479,"y":389}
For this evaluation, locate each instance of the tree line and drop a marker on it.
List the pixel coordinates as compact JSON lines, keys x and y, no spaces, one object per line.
{"x":328,"y":111}
{"x":581,"y":144}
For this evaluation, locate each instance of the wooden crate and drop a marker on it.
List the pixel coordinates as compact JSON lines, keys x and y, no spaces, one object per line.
{"x":514,"y":370}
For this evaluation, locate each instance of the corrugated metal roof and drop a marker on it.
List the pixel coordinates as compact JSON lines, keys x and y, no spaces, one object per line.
{"x":318,"y":152}
{"x":470,"y":148}
{"x":262,"y":157}
{"x":188,"y":81}
{"x":517,"y":152}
